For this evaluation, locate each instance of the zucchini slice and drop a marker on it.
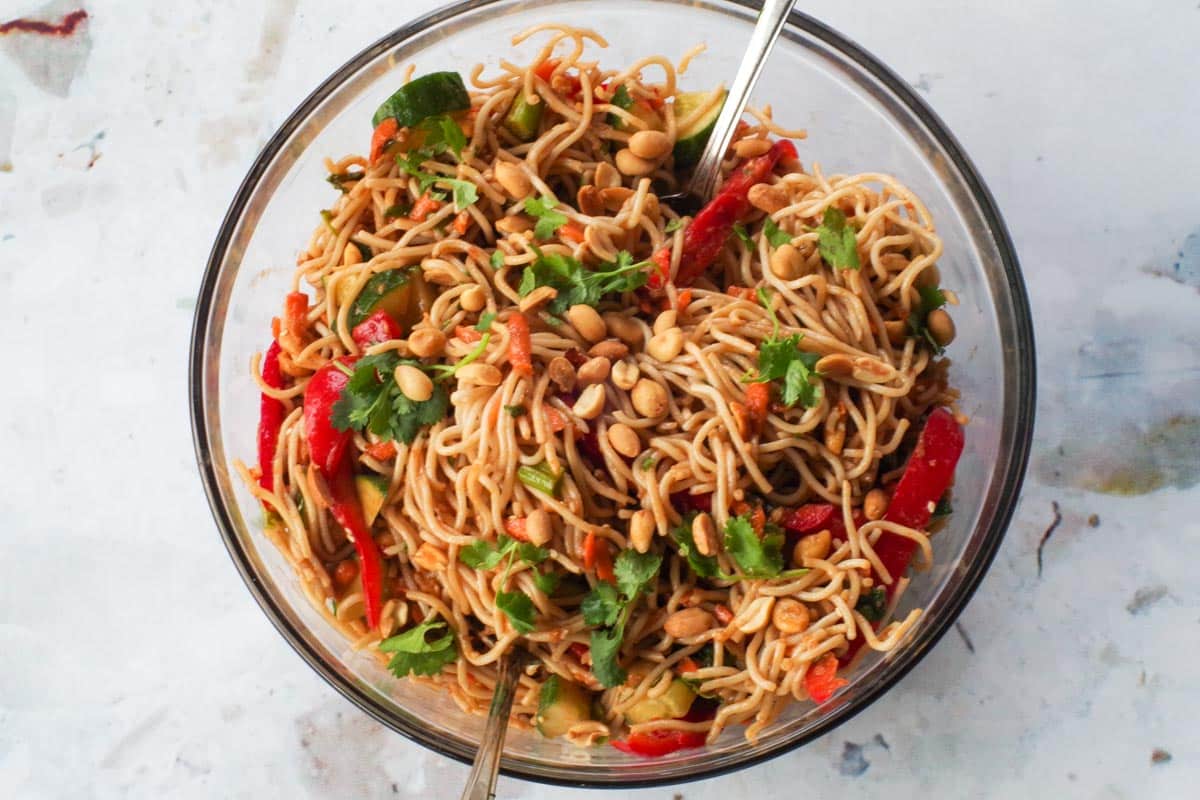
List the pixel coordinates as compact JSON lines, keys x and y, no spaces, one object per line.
{"x":561,"y":704}
{"x":389,"y":291}
{"x":690,"y":141}
{"x":424,"y":97}
{"x":672,"y":704}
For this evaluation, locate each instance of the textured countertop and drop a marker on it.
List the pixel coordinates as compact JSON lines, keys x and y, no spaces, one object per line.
{"x":133,"y":663}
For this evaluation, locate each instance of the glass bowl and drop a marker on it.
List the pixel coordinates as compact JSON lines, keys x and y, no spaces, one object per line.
{"x":860,"y":117}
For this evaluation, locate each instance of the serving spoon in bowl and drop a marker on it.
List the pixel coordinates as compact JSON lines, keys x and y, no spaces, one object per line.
{"x":707,"y":173}
{"x":481,"y":783}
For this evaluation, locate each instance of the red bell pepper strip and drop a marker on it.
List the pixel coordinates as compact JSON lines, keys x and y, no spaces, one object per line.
{"x":383,"y":135}
{"x":347,"y":510}
{"x":270,"y":417}
{"x":758,"y":397}
{"x":597,"y":555}
{"x":326,"y":444}
{"x":928,"y":475}
{"x":520,"y":348}
{"x":379,"y":327}
{"x":686,"y":501}
{"x":808,"y":518}
{"x":704,"y":238}
{"x":655,"y":743}
{"x":821,"y":680}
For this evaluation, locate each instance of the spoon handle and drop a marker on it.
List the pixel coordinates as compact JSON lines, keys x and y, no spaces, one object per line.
{"x":481,"y":783}
{"x":708,"y":169}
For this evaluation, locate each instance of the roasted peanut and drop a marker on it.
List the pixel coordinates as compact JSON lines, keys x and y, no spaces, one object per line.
{"x":624,"y":328}
{"x":413,"y":382}
{"x":624,"y":440}
{"x":688,"y":622}
{"x":875,"y":504}
{"x":473,"y":299}
{"x":594,"y":370}
{"x":751,"y":148}
{"x":768,"y":197}
{"x":941,"y":326}
{"x":539,"y":296}
{"x":606,"y":176}
{"x":835,"y":365}
{"x":610,"y":349}
{"x":815,"y":545}
{"x":665,"y":346}
{"x":589,"y":200}
{"x":426,"y":342}
{"x":512,"y":180}
{"x":789,"y":616}
{"x":649,"y":145}
{"x":562,"y":373}
{"x":665,"y":320}
{"x":590,"y":403}
{"x":787,"y":263}
{"x":481,"y":374}
{"x":625,"y":374}
{"x":649,"y":398}
{"x":704,"y":534}
{"x":641,"y":530}
{"x":615,"y":196}
{"x":539,"y":527}
{"x":587,"y":321}
{"x":633,"y":165}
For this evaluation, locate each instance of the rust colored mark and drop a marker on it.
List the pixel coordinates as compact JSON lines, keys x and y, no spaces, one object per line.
{"x":65,"y":28}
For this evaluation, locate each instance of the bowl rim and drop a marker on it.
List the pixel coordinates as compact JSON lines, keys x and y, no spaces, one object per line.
{"x":1006,"y":499}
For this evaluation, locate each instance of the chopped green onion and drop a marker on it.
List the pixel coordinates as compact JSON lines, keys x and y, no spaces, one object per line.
{"x":540,"y":479}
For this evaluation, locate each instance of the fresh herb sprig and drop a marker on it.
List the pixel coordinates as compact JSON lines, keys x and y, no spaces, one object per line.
{"x":836,"y":240}
{"x":575,"y":283}
{"x":609,"y":606}
{"x":781,"y":359}
{"x":371,"y":401}
{"x":439,"y":134}
{"x":516,"y":605}
{"x":413,"y":652}
{"x":757,"y":557}
{"x":931,"y":298}
{"x":548,"y":220}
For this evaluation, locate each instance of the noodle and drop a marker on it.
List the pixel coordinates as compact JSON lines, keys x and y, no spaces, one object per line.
{"x":461,"y":482}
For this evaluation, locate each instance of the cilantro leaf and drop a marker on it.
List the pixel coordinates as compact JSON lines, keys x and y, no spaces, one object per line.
{"x":485,"y":322}
{"x":635,"y":572}
{"x":575,"y":283}
{"x":371,"y":401}
{"x":775,"y":235}
{"x":605,"y":648}
{"x":836,"y":240}
{"x":518,"y":608}
{"x":415,"y":654}
{"x":873,"y":604}
{"x":464,"y":192}
{"x":442,"y":133}
{"x":648,"y":463}
{"x":673,"y":225}
{"x":602,"y":605}
{"x":547,"y":582}
{"x":798,"y":384}
{"x":743,"y":234}
{"x":338,"y":180}
{"x":703,"y":566}
{"x":398,"y":210}
{"x":531,"y":553}
{"x":622,"y":99}
{"x":548,"y":220}
{"x":516,"y":410}
{"x":497,"y":259}
{"x":757,"y":558}
{"x":481,"y":554}
{"x":780,"y":358}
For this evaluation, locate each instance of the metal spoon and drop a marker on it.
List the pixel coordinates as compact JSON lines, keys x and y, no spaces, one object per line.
{"x":707,"y":173}
{"x":481,"y":783}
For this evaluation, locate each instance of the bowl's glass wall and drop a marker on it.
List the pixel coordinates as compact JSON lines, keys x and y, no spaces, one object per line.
{"x":855,"y":123}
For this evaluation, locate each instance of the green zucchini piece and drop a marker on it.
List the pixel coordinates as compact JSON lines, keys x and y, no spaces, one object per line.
{"x":561,"y":704}
{"x":672,"y":704}
{"x":372,"y":489}
{"x":690,"y":143}
{"x":524,"y":118}
{"x":389,"y":291}
{"x":424,"y":97}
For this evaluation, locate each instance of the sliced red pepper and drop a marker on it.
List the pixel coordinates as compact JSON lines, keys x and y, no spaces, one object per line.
{"x":545,"y":71}
{"x":708,"y":232}
{"x":381,"y":451}
{"x":929,"y":473}
{"x":821,"y":680}
{"x":383,"y":135}
{"x":655,"y":743}
{"x":520,"y":347}
{"x":347,"y":510}
{"x":379,"y":327}
{"x":686,"y":501}
{"x":808,"y":518}
{"x":326,"y":444}
{"x":270,"y":417}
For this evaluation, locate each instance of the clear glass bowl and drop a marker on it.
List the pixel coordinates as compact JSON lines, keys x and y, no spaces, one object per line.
{"x":860,"y":117}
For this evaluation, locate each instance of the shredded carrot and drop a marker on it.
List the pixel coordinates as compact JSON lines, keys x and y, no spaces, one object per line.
{"x":520,"y":350}
{"x":467,"y":333}
{"x":758,"y":397}
{"x":685,"y":300}
{"x":383,"y":134}
{"x":556,"y":420}
{"x":687,"y":665}
{"x":276,"y":325}
{"x":741,"y":293}
{"x":596,"y":556}
{"x":381,"y":451}
{"x":462,"y":222}
{"x":821,"y":680}
{"x":295,"y":319}
{"x":424,"y":206}
{"x":515,"y":527}
{"x":571,"y":232}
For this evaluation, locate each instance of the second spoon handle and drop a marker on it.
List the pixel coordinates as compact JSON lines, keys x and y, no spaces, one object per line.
{"x":708,"y":169}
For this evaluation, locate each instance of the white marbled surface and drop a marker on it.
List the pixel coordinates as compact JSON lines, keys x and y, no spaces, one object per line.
{"x":133,"y":663}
